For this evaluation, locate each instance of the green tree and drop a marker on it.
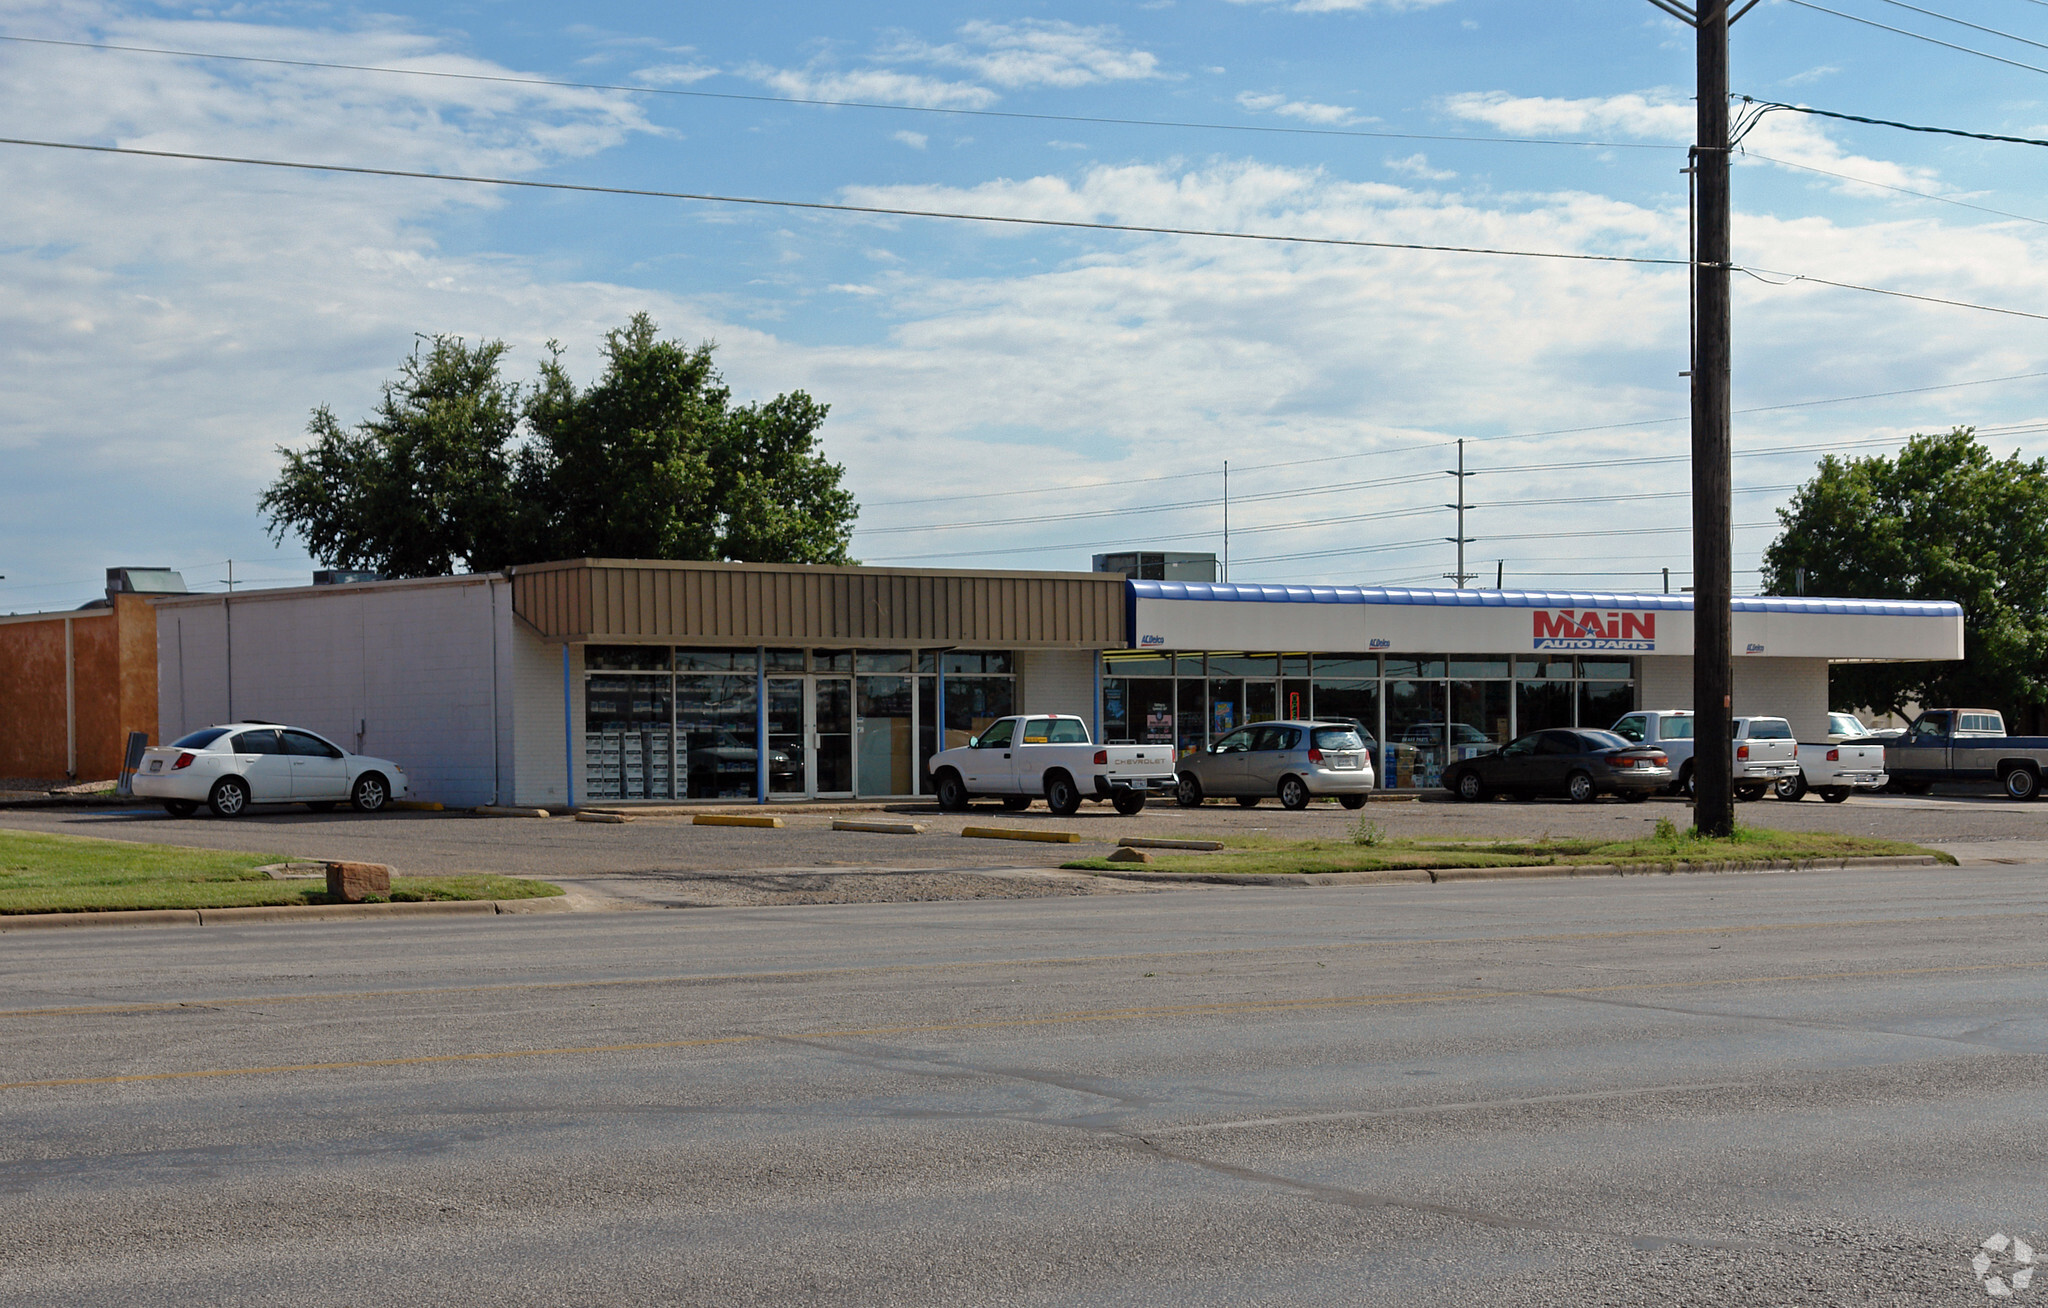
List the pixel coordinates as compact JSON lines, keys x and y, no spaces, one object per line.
{"x":1944,"y":520}
{"x":420,"y":487}
{"x":653,"y":460}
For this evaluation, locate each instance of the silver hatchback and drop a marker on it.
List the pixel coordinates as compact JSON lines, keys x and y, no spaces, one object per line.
{"x":1296,"y":761}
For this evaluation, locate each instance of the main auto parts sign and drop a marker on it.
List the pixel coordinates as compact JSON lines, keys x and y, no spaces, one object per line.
{"x":1593,"y":629}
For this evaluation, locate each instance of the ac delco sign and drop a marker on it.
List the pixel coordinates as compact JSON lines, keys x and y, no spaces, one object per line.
{"x":1591,"y":629}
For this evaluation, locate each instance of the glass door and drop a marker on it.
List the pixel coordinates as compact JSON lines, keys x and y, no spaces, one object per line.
{"x":786,"y":739}
{"x":831,"y":736}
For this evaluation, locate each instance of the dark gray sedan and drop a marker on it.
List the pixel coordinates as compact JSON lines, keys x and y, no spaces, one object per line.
{"x":1295,"y":761}
{"x":1578,"y":764}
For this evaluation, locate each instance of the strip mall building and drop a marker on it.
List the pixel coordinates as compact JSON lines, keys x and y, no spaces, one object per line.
{"x":610,"y":681}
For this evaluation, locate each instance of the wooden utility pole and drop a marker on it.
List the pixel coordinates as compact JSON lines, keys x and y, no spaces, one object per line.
{"x":1713,"y":562}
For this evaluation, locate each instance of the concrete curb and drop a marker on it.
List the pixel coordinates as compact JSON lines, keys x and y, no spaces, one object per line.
{"x":1418,"y":876}
{"x":270,"y":913}
{"x":1021,"y":833}
{"x":735,"y":820}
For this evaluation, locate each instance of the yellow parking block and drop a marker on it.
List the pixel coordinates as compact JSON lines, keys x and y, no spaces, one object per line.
{"x":1014,"y":833}
{"x":733,"y":820}
{"x":884,"y":828}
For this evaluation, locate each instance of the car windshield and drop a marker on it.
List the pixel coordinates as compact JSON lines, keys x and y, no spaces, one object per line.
{"x":1603,"y":740}
{"x":199,"y":739}
{"x":1337,"y":738}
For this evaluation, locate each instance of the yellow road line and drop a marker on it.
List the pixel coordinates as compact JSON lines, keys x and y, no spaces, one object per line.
{"x":1046,"y":1019}
{"x":1074,"y":960}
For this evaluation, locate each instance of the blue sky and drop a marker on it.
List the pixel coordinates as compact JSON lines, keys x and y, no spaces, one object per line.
{"x":164,"y":325}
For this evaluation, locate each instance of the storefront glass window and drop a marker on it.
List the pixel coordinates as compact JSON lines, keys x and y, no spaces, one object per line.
{"x":927,"y":730}
{"x":785,"y":660}
{"x":1479,"y":716}
{"x":1148,"y":711}
{"x":883,"y":754}
{"x":627,"y":739}
{"x":882,"y":660}
{"x":831,"y":660}
{"x":1602,"y":702}
{"x":974,"y":702}
{"x":1226,"y":706}
{"x":1260,"y":701}
{"x":716,"y":727}
{"x":1294,"y":665}
{"x":1421,"y":669}
{"x":1414,"y":747}
{"x":970,"y":662}
{"x":1243,"y":665}
{"x":1541,"y":705}
{"x":1471,"y":668}
{"x":716,"y":660}
{"x":626,"y":658}
{"x":1347,"y":665}
{"x":1349,"y":699}
{"x":786,"y":743}
{"x":1547,"y":669}
{"x":1192,"y":716}
{"x":1606,"y":669}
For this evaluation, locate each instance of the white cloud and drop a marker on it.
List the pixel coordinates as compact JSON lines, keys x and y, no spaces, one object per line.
{"x":873,"y":85}
{"x":915,"y":140}
{"x":1417,"y":166}
{"x":1036,"y":52}
{"x":1338,"y":6}
{"x":1657,"y":115}
{"x":675,"y":74}
{"x":1812,"y":75}
{"x":1323,"y":115}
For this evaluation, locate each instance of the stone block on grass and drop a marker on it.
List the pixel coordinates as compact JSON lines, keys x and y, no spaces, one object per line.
{"x":1125,"y":854}
{"x":351,"y":883}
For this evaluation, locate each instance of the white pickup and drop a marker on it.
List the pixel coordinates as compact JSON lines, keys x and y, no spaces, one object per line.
{"x":1019,"y":759}
{"x":1833,"y":771}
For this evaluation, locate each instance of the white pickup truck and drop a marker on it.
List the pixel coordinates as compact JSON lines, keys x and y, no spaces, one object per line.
{"x":1019,"y":759}
{"x":1765,"y":751}
{"x":1833,"y":770}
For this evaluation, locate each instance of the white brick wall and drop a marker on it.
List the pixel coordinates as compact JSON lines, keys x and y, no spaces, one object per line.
{"x":1793,"y":689}
{"x":1056,"y":681}
{"x":401,"y":671}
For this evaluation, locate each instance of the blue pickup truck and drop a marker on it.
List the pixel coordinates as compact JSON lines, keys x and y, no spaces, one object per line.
{"x":1966,"y":745}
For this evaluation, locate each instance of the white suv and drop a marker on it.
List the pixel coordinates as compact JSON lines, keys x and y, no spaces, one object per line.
{"x":230,"y":767}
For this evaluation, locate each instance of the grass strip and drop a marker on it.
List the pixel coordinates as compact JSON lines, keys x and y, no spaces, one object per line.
{"x":78,"y":874}
{"x":1369,"y":850}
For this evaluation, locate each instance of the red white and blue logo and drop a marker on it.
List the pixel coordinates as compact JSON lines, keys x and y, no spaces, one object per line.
{"x":1592,"y":629}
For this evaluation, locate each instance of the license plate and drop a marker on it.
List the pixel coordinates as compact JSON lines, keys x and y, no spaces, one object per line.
{"x":156,"y":765}
{"x":1343,"y":764}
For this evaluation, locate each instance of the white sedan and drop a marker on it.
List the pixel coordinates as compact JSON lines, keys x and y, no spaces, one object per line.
{"x":229,"y":768}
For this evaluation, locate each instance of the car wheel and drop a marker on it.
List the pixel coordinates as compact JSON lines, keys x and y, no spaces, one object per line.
{"x":372,"y":792}
{"x":180,"y":808}
{"x":1016,"y":803}
{"x":1791,"y":788}
{"x":1188,"y":792}
{"x":1470,"y":788}
{"x":1294,"y":795}
{"x":2022,"y":783}
{"x":1062,"y":796}
{"x":1836,"y":794}
{"x":1579,"y":786}
{"x":229,"y":797}
{"x":1749,"y":794}
{"x":952,"y":792}
{"x":1249,"y":801}
{"x":1352,"y":801}
{"x":1128,"y":802}
{"x":1688,"y":785}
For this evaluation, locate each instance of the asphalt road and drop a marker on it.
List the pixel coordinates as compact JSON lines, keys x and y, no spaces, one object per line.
{"x":1812,"y":1088}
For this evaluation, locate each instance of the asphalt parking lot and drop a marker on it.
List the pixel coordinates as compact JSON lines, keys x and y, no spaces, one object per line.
{"x":665,"y":860}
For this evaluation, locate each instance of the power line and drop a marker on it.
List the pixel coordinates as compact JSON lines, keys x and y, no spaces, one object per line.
{"x":679,"y":92}
{"x":1975,"y":27}
{"x":1885,"y":186}
{"x":1768,"y":106}
{"x":820,"y":205}
{"x":1917,"y":36}
{"x":1765,"y":274}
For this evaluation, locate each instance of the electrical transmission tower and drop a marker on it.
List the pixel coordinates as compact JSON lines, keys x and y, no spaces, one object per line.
{"x":1461,"y":540}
